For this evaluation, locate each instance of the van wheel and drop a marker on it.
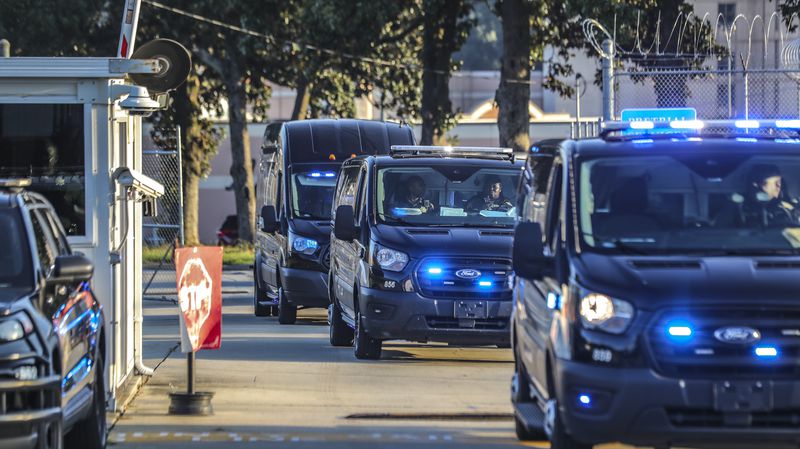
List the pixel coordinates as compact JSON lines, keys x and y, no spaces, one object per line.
{"x":287,"y":313}
{"x":559,"y":438}
{"x":91,"y":432}
{"x":365,"y":347}
{"x":340,"y":333}
{"x":521,"y":394}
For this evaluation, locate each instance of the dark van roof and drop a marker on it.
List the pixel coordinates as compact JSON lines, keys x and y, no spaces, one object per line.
{"x":316,"y":140}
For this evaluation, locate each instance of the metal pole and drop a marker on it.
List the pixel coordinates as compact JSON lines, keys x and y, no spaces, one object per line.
{"x":5,"y":48}
{"x":608,"y":80}
{"x":190,"y":373}
{"x":179,"y":149}
{"x":578,"y":103}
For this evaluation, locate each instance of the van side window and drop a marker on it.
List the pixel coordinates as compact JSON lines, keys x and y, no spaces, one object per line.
{"x":362,"y":195}
{"x":541,"y":168}
{"x":553,"y":206}
{"x":279,"y":194}
{"x":348,"y":187}
{"x":45,"y":246}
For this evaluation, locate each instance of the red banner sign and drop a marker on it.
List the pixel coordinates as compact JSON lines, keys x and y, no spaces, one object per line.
{"x":199,"y":275}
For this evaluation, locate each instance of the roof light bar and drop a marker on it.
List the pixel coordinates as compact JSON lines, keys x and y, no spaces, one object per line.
{"x":747,"y":124}
{"x":448,"y":150}
{"x":686,"y":124}
{"x":642,"y":125}
{"x":647,"y":128}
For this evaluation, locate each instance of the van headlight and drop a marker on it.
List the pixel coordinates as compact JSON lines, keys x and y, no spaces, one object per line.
{"x":303,"y":245}
{"x":601,"y":312}
{"x":390,"y":259}
{"x":15,"y":327}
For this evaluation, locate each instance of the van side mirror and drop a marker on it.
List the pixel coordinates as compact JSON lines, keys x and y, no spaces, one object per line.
{"x":344,"y":226}
{"x":269,"y":148}
{"x":72,"y":268}
{"x":528,"y":258}
{"x":268,"y":219}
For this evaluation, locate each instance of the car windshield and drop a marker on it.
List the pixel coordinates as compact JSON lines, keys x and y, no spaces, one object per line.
{"x":15,"y":261}
{"x":312,"y":192}
{"x":687,"y":203}
{"x":447,"y":195}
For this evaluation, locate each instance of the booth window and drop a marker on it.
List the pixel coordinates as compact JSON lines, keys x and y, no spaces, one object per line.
{"x":45,"y":142}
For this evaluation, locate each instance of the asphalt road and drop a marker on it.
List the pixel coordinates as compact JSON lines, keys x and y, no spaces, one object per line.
{"x":285,"y":386}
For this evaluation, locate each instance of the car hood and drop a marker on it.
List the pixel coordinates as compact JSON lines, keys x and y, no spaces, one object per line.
{"x":421,"y":242}
{"x":652,"y":282}
{"x":319,"y":230}
{"x":9,"y":296}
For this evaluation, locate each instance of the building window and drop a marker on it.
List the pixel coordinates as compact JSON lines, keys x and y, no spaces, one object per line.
{"x":728,"y":13}
{"x":45,"y":142}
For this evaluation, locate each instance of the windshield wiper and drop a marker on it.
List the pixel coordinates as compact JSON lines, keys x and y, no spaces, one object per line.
{"x":617,"y":243}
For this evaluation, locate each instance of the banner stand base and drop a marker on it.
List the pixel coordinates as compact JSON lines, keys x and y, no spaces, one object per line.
{"x":197,"y":403}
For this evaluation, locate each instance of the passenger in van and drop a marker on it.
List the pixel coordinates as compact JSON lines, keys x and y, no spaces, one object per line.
{"x":492,"y":198}
{"x":414,"y":196}
{"x":767,"y":202}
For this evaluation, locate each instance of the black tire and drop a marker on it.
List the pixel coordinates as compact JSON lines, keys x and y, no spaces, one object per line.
{"x":562,"y":440}
{"x":287,"y":313}
{"x":521,"y":393}
{"x":341,"y":335}
{"x":90,"y":433}
{"x":258,"y":294}
{"x":364,"y":346}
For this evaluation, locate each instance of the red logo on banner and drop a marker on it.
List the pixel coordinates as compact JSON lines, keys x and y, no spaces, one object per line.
{"x":199,"y":275}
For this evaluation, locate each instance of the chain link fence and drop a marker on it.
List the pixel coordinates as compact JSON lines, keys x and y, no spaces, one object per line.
{"x":163,"y":231}
{"x":715,"y":94}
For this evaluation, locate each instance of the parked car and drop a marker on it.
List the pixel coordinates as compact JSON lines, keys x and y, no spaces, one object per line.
{"x":228,"y":233}
{"x":294,"y":191}
{"x":655,"y":300}
{"x":52,"y":339}
{"x":422,"y":248}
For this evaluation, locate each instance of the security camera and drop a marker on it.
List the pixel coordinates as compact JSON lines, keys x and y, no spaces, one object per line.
{"x":138,"y":101}
{"x":143,"y":185}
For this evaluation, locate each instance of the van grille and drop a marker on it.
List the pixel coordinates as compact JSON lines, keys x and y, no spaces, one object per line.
{"x":447,"y":284}
{"x":776,"y":419}
{"x":704,"y":355}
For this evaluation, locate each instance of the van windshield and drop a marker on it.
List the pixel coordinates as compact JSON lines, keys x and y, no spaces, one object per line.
{"x":16,"y":275}
{"x":312,"y":192}
{"x":447,"y":196}
{"x":713,"y":203}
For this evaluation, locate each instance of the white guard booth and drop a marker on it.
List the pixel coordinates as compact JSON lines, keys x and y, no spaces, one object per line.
{"x":75,"y":129}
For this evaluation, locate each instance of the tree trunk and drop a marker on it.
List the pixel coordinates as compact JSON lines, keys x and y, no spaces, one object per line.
{"x":191,"y":208}
{"x":186,"y":104}
{"x":302,"y":100}
{"x":242,"y":164}
{"x":440,"y":40}
{"x":514,"y":93}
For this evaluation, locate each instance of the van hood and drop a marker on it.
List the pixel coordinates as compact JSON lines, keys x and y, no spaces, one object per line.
{"x":319,"y":230}
{"x":420,"y":242}
{"x":656,"y":281}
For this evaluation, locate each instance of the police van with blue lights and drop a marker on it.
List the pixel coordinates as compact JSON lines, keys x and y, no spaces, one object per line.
{"x":52,"y":338}
{"x":421,"y":248}
{"x":655,"y":300}
{"x":295,"y":181}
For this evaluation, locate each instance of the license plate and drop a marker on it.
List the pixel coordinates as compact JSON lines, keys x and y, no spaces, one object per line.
{"x":743,"y":396}
{"x":471,"y":309}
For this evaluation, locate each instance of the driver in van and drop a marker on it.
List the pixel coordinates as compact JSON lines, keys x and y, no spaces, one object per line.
{"x":767,"y":202}
{"x":415,"y":196}
{"x":492,"y":198}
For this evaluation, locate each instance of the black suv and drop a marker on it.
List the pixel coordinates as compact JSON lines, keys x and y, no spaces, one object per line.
{"x":52,"y":343}
{"x":421,"y":248}
{"x":655,"y":300}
